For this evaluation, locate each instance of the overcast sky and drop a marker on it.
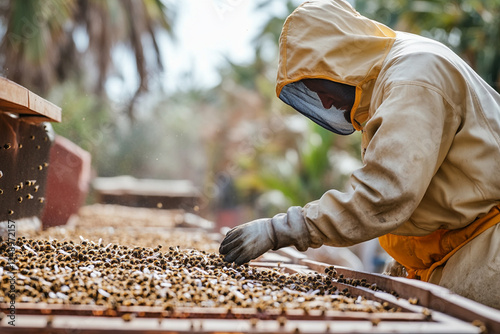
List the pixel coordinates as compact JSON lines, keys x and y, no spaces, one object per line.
{"x":207,"y":33}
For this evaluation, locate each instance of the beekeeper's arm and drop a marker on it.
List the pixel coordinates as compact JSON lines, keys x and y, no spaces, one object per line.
{"x":407,"y":145}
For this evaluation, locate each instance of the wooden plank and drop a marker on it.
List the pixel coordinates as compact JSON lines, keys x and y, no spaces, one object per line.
{"x":126,"y":190}
{"x":129,"y":185}
{"x":13,"y":95}
{"x":292,"y":253}
{"x":428,"y":295}
{"x":18,"y":100}
{"x":75,"y":324}
{"x":44,"y":107}
{"x":208,"y":312}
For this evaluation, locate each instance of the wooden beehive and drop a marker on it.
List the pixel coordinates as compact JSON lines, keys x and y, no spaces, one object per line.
{"x":148,"y":193}
{"x":25,"y":141}
{"x":420,"y":307}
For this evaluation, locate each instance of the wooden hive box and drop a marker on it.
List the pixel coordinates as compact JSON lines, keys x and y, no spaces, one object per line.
{"x":25,"y":142}
{"x":148,"y":193}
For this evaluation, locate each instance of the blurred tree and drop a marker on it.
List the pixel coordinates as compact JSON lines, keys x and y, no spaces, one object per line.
{"x":86,"y":120}
{"x":46,"y":42}
{"x":470,"y":27}
{"x":312,"y":163}
{"x":262,"y":145}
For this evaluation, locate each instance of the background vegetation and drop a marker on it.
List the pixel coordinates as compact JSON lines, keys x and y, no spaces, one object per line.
{"x":244,"y":149}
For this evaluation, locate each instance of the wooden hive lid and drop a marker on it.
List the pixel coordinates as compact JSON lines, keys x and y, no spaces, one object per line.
{"x":18,"y":100}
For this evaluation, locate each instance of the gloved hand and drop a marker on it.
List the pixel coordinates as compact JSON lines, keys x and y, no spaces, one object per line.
{"x":248,"y":241}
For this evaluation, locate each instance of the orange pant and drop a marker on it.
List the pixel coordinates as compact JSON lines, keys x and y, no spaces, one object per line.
{"x":421,"y":255}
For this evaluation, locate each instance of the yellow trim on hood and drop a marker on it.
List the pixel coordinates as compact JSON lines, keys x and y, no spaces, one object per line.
{"x":330,"y":40}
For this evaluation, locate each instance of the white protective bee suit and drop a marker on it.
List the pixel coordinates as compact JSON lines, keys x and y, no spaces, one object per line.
{"x":430,"y":182}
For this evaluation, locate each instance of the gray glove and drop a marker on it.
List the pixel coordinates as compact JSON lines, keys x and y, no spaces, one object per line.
{"x":248,"y":241}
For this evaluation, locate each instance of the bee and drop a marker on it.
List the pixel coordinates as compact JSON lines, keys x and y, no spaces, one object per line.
{"x":281,"y":321}
{"x":413,"y":301}
{"x":427,"y":313}
{"x":50,"y":320}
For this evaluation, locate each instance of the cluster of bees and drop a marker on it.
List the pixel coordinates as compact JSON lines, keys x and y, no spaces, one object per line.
{"x":112,"y":275}
{"x":23,"y":153}
{"x":196,"y":239}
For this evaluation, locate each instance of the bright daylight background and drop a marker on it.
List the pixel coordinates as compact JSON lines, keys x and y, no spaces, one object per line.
{"x":209,"y":32}
{"x":185,"y":90}
{"x":167,"y":89}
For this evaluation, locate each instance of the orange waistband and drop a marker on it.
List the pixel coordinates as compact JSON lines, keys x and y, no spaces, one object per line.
{"x":421,"y":255}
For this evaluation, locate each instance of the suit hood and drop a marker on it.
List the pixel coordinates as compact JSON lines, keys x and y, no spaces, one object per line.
{"x":330,"y":40}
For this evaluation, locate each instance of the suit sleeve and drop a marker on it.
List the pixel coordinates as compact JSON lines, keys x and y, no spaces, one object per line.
{"x":409,"y":137}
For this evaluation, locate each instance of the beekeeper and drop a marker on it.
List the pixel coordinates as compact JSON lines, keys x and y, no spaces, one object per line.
{"x":429,"y":187}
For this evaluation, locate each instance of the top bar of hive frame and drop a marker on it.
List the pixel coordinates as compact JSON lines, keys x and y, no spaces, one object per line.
{"x":18,"y":100}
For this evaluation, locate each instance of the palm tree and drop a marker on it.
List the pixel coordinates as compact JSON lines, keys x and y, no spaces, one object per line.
{"x":47,"y":42}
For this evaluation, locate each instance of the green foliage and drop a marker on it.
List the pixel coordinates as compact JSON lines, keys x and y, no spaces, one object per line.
{"x":31,"y":23}
{"x":306,"y":172}
{"x":301,"y":171}
{"x":163,"y":143}
{"x":470,"y":27}
{"x":85,"y":119}
{"x":39,"y":48}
